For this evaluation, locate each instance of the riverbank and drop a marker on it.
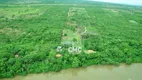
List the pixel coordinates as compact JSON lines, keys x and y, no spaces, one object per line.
{"x":100,"y":72}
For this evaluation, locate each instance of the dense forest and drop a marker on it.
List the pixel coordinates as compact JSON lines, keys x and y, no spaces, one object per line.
{"x":30,"y":34}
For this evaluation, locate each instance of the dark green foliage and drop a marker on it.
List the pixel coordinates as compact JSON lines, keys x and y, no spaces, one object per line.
{"x":65,"y":34}
{"x":74,"y":39}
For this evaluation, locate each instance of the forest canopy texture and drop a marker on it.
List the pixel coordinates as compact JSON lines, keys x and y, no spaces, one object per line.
{"x":30,"y":32}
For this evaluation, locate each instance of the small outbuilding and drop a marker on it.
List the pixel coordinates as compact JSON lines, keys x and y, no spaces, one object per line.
{"x":16,"y":56}
{"x":59,"y":48}
{"x":67,"y":43}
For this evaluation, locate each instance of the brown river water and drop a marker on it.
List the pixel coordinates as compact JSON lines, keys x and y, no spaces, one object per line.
{"x":122,"y":72}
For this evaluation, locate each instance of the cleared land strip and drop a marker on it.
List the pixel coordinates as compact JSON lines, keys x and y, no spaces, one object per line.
{"x":75,"y":27}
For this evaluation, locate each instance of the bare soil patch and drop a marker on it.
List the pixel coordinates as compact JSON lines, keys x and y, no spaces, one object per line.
{"x":58,"y":55}
{"x":91,"y":51}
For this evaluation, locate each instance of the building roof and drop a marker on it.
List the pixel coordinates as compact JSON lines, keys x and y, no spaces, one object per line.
{"x":59,"y":47}
{"x":67,"y":42}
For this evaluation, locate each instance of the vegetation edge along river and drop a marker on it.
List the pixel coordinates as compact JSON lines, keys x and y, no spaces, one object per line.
{"x":42,"y":38}
{"x":99,"y":72}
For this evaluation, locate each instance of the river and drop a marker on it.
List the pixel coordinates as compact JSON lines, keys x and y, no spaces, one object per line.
{"x":122,"y":72}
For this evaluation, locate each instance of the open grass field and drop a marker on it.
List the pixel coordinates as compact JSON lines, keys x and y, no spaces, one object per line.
{"x":30,"y":34}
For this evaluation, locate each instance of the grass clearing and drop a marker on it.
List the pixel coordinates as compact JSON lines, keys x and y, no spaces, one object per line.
{"x":75,"y":26}
{"x":22,"y":11}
